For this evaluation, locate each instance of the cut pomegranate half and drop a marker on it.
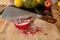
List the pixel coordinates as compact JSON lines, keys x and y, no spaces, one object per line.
{"x":22,"y":24}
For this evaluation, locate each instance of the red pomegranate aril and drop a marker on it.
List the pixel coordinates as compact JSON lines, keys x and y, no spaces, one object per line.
{"x":25,"y":32}
{"x":32,"y":33}
{"x":37,"y":30}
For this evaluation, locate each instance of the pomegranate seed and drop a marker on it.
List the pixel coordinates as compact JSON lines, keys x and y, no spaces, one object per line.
{"x":25,"y":32}
{"x":40,"y":30}
{"x":31,"y":33}
{"x":37,"y":30}
{"x":34,"y":32}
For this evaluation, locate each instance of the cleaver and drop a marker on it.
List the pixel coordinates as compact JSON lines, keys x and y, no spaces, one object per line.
{"x":12,"y":13}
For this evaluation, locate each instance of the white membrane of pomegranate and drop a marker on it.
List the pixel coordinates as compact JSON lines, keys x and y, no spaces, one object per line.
{"x":23,"y":23}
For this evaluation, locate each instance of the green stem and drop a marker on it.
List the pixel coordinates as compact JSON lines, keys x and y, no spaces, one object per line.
{"x":36,"y":11}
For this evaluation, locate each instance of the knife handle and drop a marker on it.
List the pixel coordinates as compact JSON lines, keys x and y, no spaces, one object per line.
{"x":49,"y":19}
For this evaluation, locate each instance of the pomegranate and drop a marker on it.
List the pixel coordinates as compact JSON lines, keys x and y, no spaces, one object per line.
{"x":22,"y":24}
{"x":48,"y":3}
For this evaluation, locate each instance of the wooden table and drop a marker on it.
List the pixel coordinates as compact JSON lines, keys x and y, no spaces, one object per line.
{"x":56,"y":15}
{"x":12,"y":33}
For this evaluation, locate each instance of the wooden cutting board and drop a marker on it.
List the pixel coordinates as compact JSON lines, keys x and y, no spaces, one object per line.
{"x":56,"y":13}
{"x":12,"y":33}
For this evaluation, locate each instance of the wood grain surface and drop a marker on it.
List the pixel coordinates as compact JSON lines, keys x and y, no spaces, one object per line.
{"x":12,"y":33}
{"x":56,"y":13}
